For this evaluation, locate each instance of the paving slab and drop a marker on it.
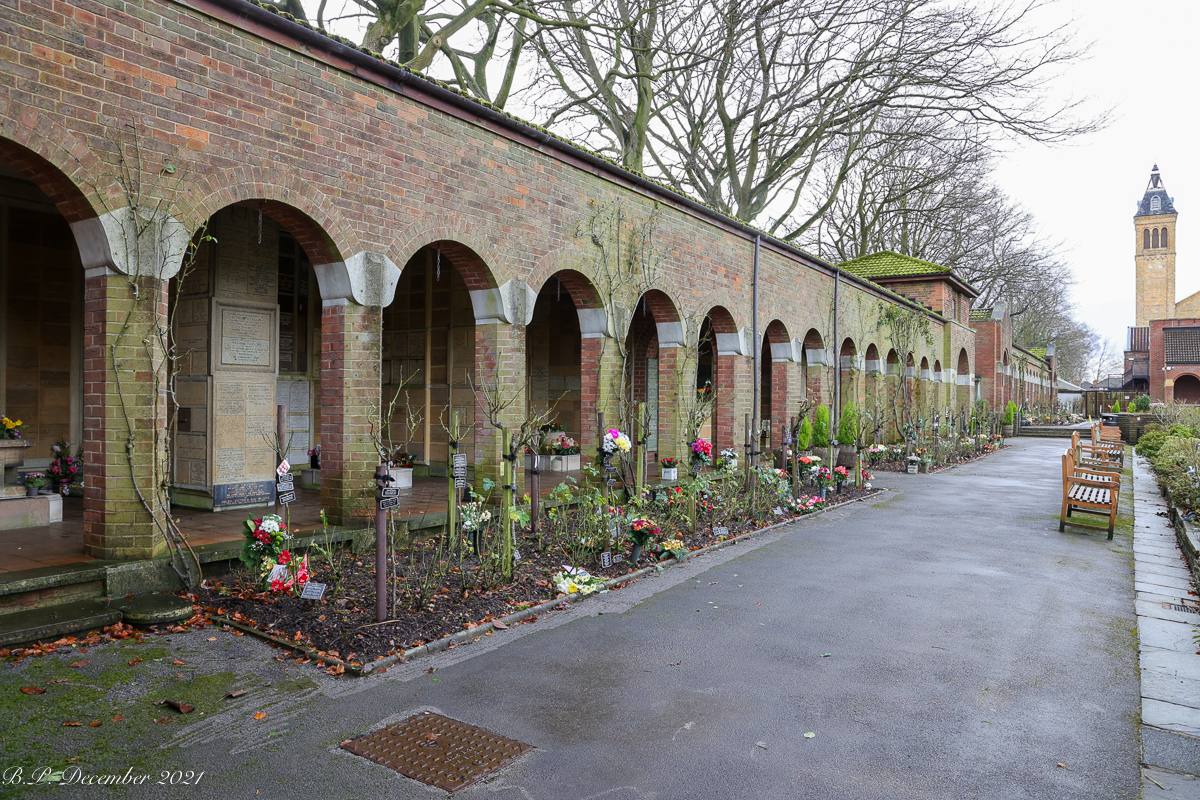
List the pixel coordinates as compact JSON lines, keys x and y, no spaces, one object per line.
{"x":1182,"y":691}
{"x":1160,"y":584}
{"x":1171,"y":716}
{"x":1150,"y":606}
{"x":1166,"y":785}
{"x":1169,"y":636}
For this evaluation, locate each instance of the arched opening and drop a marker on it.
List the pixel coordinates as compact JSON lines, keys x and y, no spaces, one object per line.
{"x":247,"y":321}
{"x":773,"y":381}
{"x":1187,"y":389}
{"x":1164,"y":237}
{"x":847,"y":384}
{"x":1145,"y":238}
{"x":652,"y":347}
{"x":719,"y":348}
{"x":429,"y":354}
{"x":1154,"y":237}
{"x":566,"y":304}
{"x":814,"y":363}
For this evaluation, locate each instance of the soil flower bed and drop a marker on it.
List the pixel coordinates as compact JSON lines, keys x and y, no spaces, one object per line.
{"x":444,"y":587}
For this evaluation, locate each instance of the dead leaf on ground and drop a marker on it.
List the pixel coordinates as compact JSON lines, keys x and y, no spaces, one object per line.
{"x":72,"y":724}
{"x":500,"y":626}
{"x":33,"y":690}
{"x":83,"y":663}
{"x":181,"y":707}
{"x":135,"y":662}
{"x":57,"y":680}
{"x":238,"y":693}
{"x":212,"y":638}
{"x":163,"y":720}
{"x":179,"y":663}
{"x":260,"y":715}
{"x":117,"y":718}
{"x":95,"y":723}
{"x":430,"y":670}
{"x":1060,"y":764}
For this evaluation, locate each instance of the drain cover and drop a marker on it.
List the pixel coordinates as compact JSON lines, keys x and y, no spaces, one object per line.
{"x":438,"y":751}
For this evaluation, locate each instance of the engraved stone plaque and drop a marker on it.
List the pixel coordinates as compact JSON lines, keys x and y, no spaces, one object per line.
{"x":229,"y":399}
{"x":230,"y":463}
{"x":246,"y":337}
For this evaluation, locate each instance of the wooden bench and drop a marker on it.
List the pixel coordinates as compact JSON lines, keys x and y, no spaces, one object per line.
{"x":1104,"y":459}
{"x":1089,"y":492}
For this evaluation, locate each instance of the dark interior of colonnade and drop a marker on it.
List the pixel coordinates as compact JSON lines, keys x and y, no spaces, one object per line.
{"x":1187,"y":389}
{"x":553,"y":358}
{"x":706,"y":374}
{"x":428,"y":360}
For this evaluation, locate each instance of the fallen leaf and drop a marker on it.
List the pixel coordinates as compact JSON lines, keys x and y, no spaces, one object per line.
{"x":260,"y":715}
{"x":83,"y":663}
{"x":117,"y":718}
{"x":1060,"y":764}
{"x":238,"y":693}
{"x":212,"y":638}
{"x":432,"y":736}
{"x":135,"y":662}
{"x":72,"y":724}
{"x":179,"y":663}
{"x":763,"y":745}
{"x":33,"y":690}
{"x":498,"y":625}
{"x":95,"y":724}
{"x":826,"y":655}
{"x":164,"y":720}
{"x":182,"y":708}
{"x":57,"y":680}
{"x":810,"y":735}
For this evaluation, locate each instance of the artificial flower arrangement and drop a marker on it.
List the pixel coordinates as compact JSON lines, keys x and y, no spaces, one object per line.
{"x":702,"y":451}
{"x":576,"y":581}
{"x":402,"y":460}
{"x":841,"y":474}
{"x":265,"y":548}
{"x":615,"y":442}
{"x":670,"y":547}
{"x":669,"y":463}
{"x":642,"y":531}
{"x":822,"y":477}
{"x":561,"y":445}
{"x":65,"y":468}
{"x":11,"y":429}
{"x":35,"y":480}
{"x":728,"y":462}
{"x":474,"y":515}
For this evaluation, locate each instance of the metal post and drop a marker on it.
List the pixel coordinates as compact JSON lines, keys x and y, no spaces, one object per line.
{"x":640,"y":455}
{"x":756,"y":347}
{"x":452,"y":499}
{"x":382,"y":479}
{"x":510,"y":479}
{"x":280,"y":444}
{"x":600,"y":452}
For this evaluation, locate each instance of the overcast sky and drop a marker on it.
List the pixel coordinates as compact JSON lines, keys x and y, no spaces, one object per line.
{"x":1143,"y":67}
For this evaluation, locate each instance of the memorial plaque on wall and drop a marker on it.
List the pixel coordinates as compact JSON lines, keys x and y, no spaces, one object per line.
{"x":247,"y":338}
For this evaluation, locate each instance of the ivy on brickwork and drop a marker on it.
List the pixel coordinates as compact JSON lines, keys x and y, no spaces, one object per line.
{"x":141,"y":354}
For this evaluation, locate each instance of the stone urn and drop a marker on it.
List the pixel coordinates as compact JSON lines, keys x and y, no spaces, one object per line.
{"x":401,"y":477}
{"x":670,"y":474}
{"x":12,"y":455}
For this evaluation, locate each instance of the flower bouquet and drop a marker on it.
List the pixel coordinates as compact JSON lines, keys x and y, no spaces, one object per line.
{"x":10,"y":429}
{"x":65,"y":468}
{"x":669,"y":547}
{"x":264,"y":549}
{"x":33,"y":481}
{"x":615,"y":442}
{"x":701,"y":450}
{"x":641,"y":531}
{"x":728,"y":462}
{"x":670,"y":468}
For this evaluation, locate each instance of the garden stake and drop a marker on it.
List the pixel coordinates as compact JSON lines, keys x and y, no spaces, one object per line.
{"x":281,"y":438}
{"x":600,"y":452}
{"x":452,"y":506}
{"x":506,"y":531}
{"x":382,"y":479}
{"x":638,"y":436}
{"x":795,"y":460}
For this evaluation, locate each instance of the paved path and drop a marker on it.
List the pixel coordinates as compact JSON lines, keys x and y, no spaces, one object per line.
{"x":1170,"y":669}
{"x":945,"y":641}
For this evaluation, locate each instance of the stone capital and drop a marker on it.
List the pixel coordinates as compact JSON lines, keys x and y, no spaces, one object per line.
{"x":141,"y":245}
{"x":368,"y":279}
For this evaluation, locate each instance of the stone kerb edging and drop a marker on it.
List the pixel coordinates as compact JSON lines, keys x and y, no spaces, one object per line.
{"x":1188,"y":535}
{"x":517,"y":616}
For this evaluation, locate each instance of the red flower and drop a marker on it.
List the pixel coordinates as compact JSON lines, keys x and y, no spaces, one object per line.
{"x":284,"y":557}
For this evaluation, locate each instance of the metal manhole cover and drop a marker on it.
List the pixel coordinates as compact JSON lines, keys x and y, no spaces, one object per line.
{"x":438,"y":751}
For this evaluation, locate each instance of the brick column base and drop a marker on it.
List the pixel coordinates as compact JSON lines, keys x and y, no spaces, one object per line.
{"x":116,"y":524}
{"x":350,"y":395}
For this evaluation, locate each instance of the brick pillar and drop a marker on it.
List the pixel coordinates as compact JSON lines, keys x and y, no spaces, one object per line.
{"x":670,"y":400}
{"x":779,"y":397}
{"x":350,"y":392}
{"x":499,"y":366}
{"x":116,"y":523}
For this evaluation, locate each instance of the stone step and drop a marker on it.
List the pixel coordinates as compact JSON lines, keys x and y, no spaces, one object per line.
{"x":1047,"y":432}
{"x":52,"y":622}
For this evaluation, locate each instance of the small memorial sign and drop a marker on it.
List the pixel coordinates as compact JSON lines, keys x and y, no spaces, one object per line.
{"x":720,"y":531}
{"x":279,"y":572}
{"x":777,"y":511}
{"x":388,"y":491}
{"x":389,"y":502}
{"x":460,"y":465}
{"x":611,"y":481}
{"x":283,"y":467}
{"x":285,"y":498}
{"x":460,"y":483}
{"x":312,"y":591}
{"x":618,"y":558}
{"x":285,"y":487}
{"x":606,"y":559}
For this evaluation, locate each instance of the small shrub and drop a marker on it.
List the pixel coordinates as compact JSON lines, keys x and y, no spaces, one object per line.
{"x":848,"y":425}
{"x":1010,"y":413}
{"x":1150,"y":442}
{"x":1116,"y":407}
{"x":804,"y":438}
{"x":1140,"y":404}
{"x":820,"y":428}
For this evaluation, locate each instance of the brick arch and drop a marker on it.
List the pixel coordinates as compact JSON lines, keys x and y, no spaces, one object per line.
{"x":582,"y":291}
{"x":814,"y":375}
{"x":964,"y":362}
{"x":777,"y":332}
{"x":477,"y":258}
{"x":301,"y":209}
{"x":662,"y":308}
{"x":721,"y":320}
{"x":813,"y":340}
{"x":58,"y":165}
{"x":774,"y":377}
{"x":872,"y":352}
{"x":1191,"y":386}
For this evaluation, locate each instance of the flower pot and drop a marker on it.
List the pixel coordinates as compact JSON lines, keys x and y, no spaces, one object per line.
{"x":670,"y":473}
{"x":559,"y":463}
{"x":401,"y":477}
{"x":912,"y":468}
{"x":1006,"y":430}
{"x":636,"y":554}
{"x":821,"y":453}
{"x":31,"y":491}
